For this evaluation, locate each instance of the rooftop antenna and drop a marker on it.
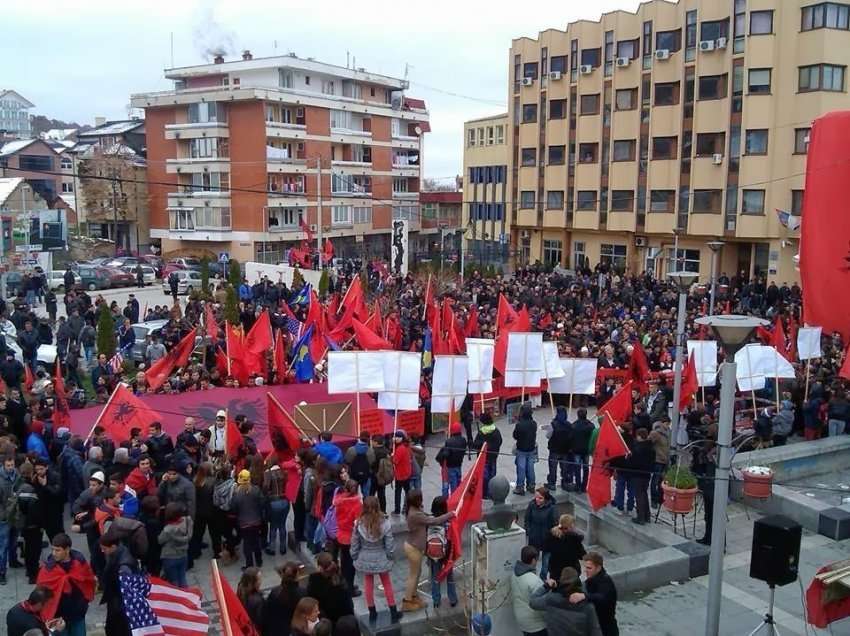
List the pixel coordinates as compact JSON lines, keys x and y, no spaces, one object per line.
{"x":172,"y":49}
{"x":347,"y":59}
{"x":275,"y":45}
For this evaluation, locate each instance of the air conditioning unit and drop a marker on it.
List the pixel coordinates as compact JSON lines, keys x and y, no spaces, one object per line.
{"x":717,"y":159}
{"x":706,"y":45}
{"x":720,"y":43}
{"x":555,"y":76}
{"x":527,"y":81}
{"x":623,"y":62}
{"x":640,"y":241}
{"x":662,"y":54}
{"x":586,"y":69}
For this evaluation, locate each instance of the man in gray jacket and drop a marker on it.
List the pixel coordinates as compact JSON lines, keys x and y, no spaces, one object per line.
{"x":177,"y":488}
{"x":524,"y":583}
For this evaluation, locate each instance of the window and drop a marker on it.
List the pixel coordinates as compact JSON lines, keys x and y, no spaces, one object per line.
{"x":590,"y":57}
{"x":557,"y":109}
{"x":682,"y":260}
{"x":590,"y":104}
{"x":667,"y":94}
{"x":341,"y":215}
{"x":739,"y":26}
{"x":500,"y":134}
{"x":821,"y":77}
{"x":480,"y":136}
{"x":284,"y":77}
{"x":181,"y":219}
{"x":558,"y":64}
{"x":586,"y":200}
{"x":470,"y":141}
{"x":664,"y":147}
{"x":529,"y":113}
{"x":400,"y":185}
{"x":609,"y":53}
{"x":627,"y":48}
{"x":328,"y":87}
{"x":714,"y":30}
{"x":556,"y":155}
{"x":529,"y":156}
{"x":551,"y":252}
{"x":205,"y":112}
{"x":613,"y":255}
{"x":529,"y":69}
{"x":622,"y":200}
{"x":709,"y":144}
{"x":670,"y":40}
{"x":759,"y":81}
{"x":578,"y":254}
{"x":490,"y":136}
{"x":284,"y":218}
{"x":67,"y":188}
{"x":662,"y":200}
{"x":66,"y":163}
{"x":752,"y":202}
{"x":588,"y":153}
{"x":797,"y":202}
{"x":712,"y":86}
{"x":626,"y":99}
{"x":35,"y":162}
{"x":555,"y":200}
{"x":756,"y":142}
{"x":624,"y":150}
{"x":526,"y":199}
{"x":801,"y":141}
{"x":707,"y":201}
{"x":826,"y":15}
{"x":208,"y":148}
{"x":404,"y":212}
{"x":761,"y":22}
{"x":691,"y":35}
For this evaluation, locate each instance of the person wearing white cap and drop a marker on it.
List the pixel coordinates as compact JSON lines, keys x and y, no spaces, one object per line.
{"x":83,"y":513}
{"x":218,"y":433}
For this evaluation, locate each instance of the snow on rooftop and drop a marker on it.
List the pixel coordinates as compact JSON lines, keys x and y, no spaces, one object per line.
{"x":7,"y":187}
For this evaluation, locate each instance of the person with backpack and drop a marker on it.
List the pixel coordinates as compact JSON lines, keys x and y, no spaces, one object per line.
{"x":372,"y":550}
{"x":274,"y":489}
{"x":437,"y":551}
{"x":384,"y":471}
{"x":418,"y":525}
{"x":402,"y":468}
{"x":347,"y":505}
{"x":489,"y":434}
{"x":360,"y":459}
{"x":451,"y":457}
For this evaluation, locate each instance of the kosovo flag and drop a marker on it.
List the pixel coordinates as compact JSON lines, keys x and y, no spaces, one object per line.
{"x":303,"y":360}
{"x":427,"y":348}
{"x":302,"y":297}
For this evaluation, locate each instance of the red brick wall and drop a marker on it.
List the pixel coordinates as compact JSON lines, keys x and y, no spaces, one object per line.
{"x":159,"y":149}
{"x":248,"y":167}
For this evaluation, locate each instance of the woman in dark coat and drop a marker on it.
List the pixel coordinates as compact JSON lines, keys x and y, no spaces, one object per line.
{"x":248,"y":592}
{"x":329,"y":588}
{"x":564,"y":545}
{"x":281,"y":602}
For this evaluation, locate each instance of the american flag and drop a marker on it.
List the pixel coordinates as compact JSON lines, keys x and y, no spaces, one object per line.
{"x":155,"y":608}
{"x":293,"y":325}
{"x":116,"y":362}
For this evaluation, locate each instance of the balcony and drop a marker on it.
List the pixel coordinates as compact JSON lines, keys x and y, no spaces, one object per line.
{"x":282,"y":129}
{"x":288,"y":156}
{"x":197,"y":130}
{"x":343,"y":185}
{"x":189,"y":165}
{"x":405,"y":195}
{"x":284,"y":219}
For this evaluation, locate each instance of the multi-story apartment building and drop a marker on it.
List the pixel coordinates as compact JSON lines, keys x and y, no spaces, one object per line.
{"x":241,"y":152}
{"x":14,"y":115}
{"x":681,"y":124}
{"x":487,"y":211}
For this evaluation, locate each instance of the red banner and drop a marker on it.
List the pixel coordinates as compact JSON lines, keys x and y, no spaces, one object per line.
{"x":412,"y":422}
{"x":372,"y":421}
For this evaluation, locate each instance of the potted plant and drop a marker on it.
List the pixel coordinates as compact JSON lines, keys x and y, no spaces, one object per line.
{"x":758,"y":482}
{"x":680,"y":490}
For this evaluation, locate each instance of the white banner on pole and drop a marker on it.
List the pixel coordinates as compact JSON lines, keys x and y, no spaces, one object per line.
{"x":774,"y":365}
{"x":551,"y":362}
{"x":448,"y":388}
{"x":401,"y":381}
{"x":524,"y":360}
{"x":746,"y":372}
{"x":579,"y":377}
{"x":705,"y":359}
{"x":808,"y":342}
{"x":355,"y":371}
{"x":480,"y":352}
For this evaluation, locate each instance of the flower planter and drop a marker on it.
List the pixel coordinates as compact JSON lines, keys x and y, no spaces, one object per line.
{"x":758,"y":482}
{"x":679,"y":501}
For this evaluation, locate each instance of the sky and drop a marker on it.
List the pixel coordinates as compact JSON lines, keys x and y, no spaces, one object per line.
{"x":82,"y":59}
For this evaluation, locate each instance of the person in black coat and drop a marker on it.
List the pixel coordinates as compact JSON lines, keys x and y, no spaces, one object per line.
{"x":600,"y":590}
{"x":118,"y":561}
{"x":565,"y":548}
{"x":559,"y":447}
{"x":26,"y":615}
{"x":281,"y":602}
{"x":329,"y":588}
{"x":525,"y":434}
{"x":451,"y":455}
{"x":640,"y":465}
{"x":579,"y":443}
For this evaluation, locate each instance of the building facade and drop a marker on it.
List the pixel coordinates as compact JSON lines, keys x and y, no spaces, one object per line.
{"x":681,"y":124}
{"x":14,"y":115}
{"x":487,"y":212}
{"x":439,"y":238}
{"x":257,"y":149}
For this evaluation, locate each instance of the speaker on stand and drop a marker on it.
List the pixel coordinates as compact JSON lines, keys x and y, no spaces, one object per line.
{"x":774,"y":559}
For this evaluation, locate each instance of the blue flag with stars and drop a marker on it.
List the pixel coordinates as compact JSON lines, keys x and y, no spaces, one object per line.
{"x":303,"y":364}
{"x":302,"y":297}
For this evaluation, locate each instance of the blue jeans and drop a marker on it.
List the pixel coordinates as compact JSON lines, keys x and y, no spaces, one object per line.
{"x":556,"y":460}
{"x":452,"y":482}
{"x":416,"y":482}
{"x":174,"y":570}
{"x":310,"y":524}
{"x":451,"y":590}
{"x":544,"y":564}
{"x":580,"y":470}
{"x":89,"y":353}
{"x":4,"y":546}
{"x":621,"y":486}
{"x":525,"y":469}
{"x":77,"y":628}
{"x":31,"y":297}
{"x":836,"y":427}
{"x":366,"y":488}
{"x":278,"y":511}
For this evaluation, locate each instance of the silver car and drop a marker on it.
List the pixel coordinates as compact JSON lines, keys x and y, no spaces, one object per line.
{"x":142,"y":330}
{"x":188,"y":280}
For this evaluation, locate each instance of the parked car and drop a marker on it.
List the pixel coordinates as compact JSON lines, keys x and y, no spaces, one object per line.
{"x":148,"y":273}
{"x":56,"y":280}
{"x":121,"y":261}
{"x":118,"y":277}
{"x":188,"y":281}
{"x":154,"y":261}
{"x":46,"y":353}
{"x":93,"y":278}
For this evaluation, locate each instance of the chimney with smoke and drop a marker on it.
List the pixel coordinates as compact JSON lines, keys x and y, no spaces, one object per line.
{"x":218,"y":59}
{"x":246,"y":55}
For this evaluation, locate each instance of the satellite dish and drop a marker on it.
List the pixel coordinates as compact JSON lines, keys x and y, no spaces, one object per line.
{"x":418,"y":131}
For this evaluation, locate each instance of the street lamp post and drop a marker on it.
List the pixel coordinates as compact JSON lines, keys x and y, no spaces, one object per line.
{"x":714,"y":246}
{"x":683,"y":281}
{"x":732,"y":332}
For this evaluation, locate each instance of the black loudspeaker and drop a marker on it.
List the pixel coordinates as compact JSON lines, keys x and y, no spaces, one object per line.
{"x":776,"y":550}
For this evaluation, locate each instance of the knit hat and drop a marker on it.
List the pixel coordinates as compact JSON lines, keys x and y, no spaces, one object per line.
{"x":455,"y":428}
{"x":244,"y":477}
{"x":98,"y":475}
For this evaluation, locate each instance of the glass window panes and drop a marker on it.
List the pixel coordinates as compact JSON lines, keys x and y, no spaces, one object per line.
{"x":797,"y":202}
{"x":586,"y":200}
{"x":554,"y":199}
{"x":752,"y":202}
{"x":529,"y":113}
{"x":613,"y":255}
{"x":556,"y":155}
{"x":552,"y":252}
{"x":669,"y":40}
{"x":341,"y":215}
{"x":759,"y":80}
{"x":801,"y":140}
{"x":626,"y":99}
{"x":622,"y":200}
{"x":756,"y":142}
{"x":829,"y":15}
{"x":557,"y":109}
{"x":707,"y":200}
{"x":624,"y":150}
{"x":761,"y":22}
{"x":529,"y":156}
{"x":682,"y":260}
{"x":661,"y":200}
{"x":526,"y":199}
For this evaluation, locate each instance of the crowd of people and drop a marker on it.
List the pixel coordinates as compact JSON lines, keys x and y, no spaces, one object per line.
{"x":156,"y":503}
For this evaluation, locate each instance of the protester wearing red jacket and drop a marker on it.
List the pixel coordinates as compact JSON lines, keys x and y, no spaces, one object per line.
{"x":141,"y":479}
{"x":402,"y":467}
{"x":348,"y":505}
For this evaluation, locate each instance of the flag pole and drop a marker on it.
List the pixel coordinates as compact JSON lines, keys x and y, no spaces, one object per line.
{"x":425,"y":303}
{"x":219,"y":593}
{"x":100,"y":416}
{"x":524,"y":362}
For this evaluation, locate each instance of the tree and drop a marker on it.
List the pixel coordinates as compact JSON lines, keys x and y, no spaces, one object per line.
{"x":297,"y":279}
{"x":205,"y":277}
{"x":231,"y":306}
{"x":324,"y":281}
{"x":234,"y":273}
{"x":105,"y":332}
{"x":432,"y":185}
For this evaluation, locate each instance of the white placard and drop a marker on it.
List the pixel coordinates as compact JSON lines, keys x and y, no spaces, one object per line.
{"x":551,"y":362}
{"x":479,"y":352}
{"x":746,"y":371}
{"x":355,"y":371}
{"x":705,"y":359}
{"x":774,"y":365}
{"x":808,"y":342}
{"x":448,"y":389}
{"x":579,"y":377}
{"x":524,"y":360}
{"x":401,"y":381}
